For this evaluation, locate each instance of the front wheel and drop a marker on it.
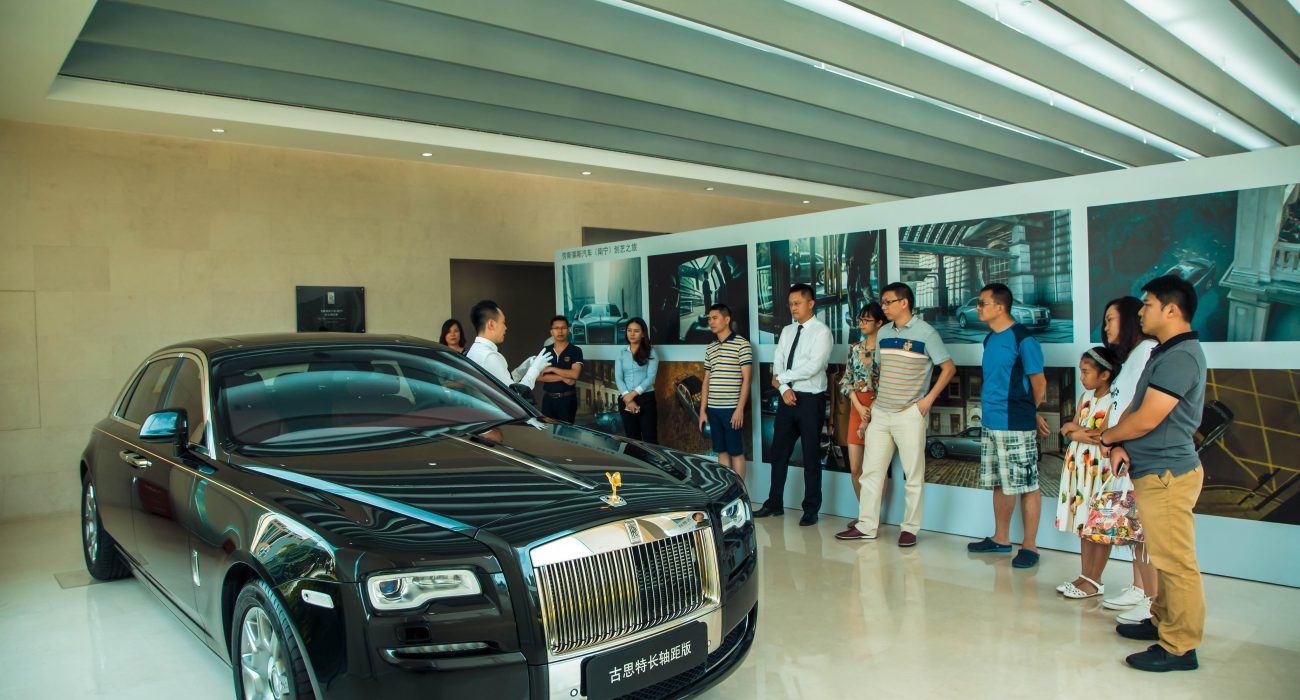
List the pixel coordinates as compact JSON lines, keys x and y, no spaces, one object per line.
{"x":266,"y":661}
{"x":937,"y":450}
{"x":961,"y":320}
{"x":103,"y":561}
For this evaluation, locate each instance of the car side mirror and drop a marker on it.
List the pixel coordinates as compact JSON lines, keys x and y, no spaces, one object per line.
{"x":624,"y":315}
{"x":169,"y":424}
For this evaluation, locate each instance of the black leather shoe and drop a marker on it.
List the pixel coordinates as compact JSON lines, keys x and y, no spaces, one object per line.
{"x":808,"y":519}
{"x":767,"y":512}
{"x":1157,"y":659}
{"x":1144,"y":631}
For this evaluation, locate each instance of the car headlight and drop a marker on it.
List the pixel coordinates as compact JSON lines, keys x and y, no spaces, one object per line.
{"x":735,"y":514}
{"x":391,"y":592}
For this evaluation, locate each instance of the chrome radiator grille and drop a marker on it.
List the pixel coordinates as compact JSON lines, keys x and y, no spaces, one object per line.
{"x":609,"y":595}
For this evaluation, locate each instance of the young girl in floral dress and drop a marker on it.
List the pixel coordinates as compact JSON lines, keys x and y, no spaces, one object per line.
{"x":1086,"y":470}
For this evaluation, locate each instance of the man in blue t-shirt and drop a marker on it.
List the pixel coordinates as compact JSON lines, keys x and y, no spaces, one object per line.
{"x":1014,"y":386}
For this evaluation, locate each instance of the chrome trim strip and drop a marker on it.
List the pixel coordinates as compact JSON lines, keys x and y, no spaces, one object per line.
{"x":613,"y":536}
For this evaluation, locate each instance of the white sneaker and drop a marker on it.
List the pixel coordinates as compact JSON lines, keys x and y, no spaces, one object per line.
{"x":1127,"y":598}
{"x":1140,"y":612}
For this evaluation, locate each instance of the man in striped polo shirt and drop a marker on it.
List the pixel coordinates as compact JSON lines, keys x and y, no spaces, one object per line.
{"x":908,"y":350}
{"x":728,"y":365}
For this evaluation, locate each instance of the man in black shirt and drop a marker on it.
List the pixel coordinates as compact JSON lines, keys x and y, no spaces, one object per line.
{"x":559,"y":398}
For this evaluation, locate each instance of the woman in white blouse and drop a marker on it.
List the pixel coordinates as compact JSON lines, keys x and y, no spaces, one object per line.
{"x":1123,"y":334}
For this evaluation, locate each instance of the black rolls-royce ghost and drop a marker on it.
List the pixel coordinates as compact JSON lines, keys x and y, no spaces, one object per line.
{"x":376,"y":517}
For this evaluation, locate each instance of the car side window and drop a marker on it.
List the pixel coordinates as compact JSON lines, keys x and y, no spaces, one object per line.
{"x":187,"y":393}
{"x":148,"y":391}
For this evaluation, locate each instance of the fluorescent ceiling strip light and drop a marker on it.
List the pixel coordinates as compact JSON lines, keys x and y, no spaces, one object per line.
{"x":884,"y":29}
{"x":851,"y":75}
{"x":1062,"y":34}
{"x":1229,"y":40}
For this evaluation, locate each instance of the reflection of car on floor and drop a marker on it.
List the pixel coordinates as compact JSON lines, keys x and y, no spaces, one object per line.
{"x":1030,"y":316}
{"x":687,"y":391}
{"x":963,"y":445}
{"x":370,"y":516}
{"x":1198,"y":272}
{"x":599,"y":324}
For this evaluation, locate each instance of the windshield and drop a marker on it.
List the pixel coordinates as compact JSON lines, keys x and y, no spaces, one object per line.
{"x":310,"y":397}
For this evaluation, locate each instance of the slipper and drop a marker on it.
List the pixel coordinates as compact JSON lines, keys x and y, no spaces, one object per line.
{"x":1074,"y":592}
{"x":1024,"y":559}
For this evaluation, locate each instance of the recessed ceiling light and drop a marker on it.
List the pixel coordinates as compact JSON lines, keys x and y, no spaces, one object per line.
{"x":586,"y":172}
{"x":807,"y":201}
{"x":426,"y":154}
{"x":218,"y":131}
{"x":708,"y":189}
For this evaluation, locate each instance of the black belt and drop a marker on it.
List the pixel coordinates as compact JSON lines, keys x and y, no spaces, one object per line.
{"x":561,"y":394}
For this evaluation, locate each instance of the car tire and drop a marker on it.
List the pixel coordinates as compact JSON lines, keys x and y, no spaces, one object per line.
{"x":99,"y":549}
{"x":263,"y":653}
{"x":961,"y":320}
{"x":937,"y":450}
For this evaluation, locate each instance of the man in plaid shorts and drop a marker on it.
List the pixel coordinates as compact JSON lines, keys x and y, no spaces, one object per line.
{"x":1014,"y":387}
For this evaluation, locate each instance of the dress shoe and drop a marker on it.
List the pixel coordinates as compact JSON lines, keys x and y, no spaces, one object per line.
{"x":1144,"y":631}
{"x":906,"y":539}
{"x":1158,"y":659}
{"x":808,"y":519}
{"x":767,"y":512}
{"x":853,"y":533}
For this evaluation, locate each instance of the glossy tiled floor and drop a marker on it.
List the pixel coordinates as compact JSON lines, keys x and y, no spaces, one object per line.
{"x":860,"y":619}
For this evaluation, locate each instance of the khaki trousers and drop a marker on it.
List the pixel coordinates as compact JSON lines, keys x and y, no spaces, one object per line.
{"x":1165,"y":508}
{"x":906,"y":431}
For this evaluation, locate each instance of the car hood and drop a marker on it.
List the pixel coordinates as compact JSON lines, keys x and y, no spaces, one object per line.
{"x":529,"y":477}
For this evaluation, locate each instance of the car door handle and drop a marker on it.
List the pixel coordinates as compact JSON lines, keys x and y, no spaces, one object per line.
{"x":134,"y":459}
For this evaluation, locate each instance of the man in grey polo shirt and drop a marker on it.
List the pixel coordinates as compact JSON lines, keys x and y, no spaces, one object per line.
{"x":1153,"y":444}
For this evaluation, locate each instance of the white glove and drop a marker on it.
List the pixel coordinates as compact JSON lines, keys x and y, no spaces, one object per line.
{"x":518,"y":373}
{"x":536,"y":366}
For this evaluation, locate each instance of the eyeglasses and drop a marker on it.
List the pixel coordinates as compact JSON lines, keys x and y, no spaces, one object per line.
{"x":985,"y":303}
{"x":868,"y":319}
{"x":889,"y":302}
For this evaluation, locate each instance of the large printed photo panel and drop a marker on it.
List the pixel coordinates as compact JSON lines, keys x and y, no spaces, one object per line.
{"x":845,"y":270}
{"x":1239,"y":250}
{"x":947,"y":264}
{"x":684,"y":285}
{"x":600,"y":297}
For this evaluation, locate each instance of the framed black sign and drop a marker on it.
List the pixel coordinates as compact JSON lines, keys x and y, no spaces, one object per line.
{"x":332,"y":309}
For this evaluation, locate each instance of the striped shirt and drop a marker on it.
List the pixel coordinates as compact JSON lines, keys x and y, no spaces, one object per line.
{"x":722,"y":362}
{"x":907,"y":357}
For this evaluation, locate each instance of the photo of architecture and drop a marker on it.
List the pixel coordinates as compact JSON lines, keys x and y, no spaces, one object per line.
{"x":845,"y":270}
{"x":684,"y":285}
{"x":1240,"y":250}
{"x":947,"y":264}
{"x":952,"y":445}
{"x":599,"y":298}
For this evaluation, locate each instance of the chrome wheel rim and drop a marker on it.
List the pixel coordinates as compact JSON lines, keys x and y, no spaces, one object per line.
{"x":262,"y":663}
{"x":90,"y":523}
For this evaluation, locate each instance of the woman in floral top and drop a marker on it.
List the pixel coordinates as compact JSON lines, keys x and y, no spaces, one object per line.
{"x":859,"y":384}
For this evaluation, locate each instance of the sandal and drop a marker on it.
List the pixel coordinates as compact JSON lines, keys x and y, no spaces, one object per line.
{"x":1074,"y":592}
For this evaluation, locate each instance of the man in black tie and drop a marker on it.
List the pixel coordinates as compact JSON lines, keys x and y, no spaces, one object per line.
{"x":799,"y":373}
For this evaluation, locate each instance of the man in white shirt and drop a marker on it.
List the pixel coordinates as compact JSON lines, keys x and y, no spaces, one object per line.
{"x":490,"y":326}
{"x":799,"y":373}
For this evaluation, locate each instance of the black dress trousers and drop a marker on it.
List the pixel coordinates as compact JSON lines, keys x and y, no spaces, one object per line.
{"x":801,"y":422}
{"x":642,"y":426}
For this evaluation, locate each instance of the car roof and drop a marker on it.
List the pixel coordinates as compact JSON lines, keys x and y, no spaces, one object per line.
{"x":234,"y":344}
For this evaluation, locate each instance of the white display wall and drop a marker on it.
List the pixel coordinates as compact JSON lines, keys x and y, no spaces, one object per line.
{"x":1251,"y":341}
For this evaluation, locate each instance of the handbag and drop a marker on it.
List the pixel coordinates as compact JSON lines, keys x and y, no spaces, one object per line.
{"x":1112,"y":515}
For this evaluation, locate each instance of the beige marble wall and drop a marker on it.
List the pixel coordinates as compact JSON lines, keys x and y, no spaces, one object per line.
{"x":114,"y":244}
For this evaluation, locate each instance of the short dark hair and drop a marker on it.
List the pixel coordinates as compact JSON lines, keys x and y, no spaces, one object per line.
{"x":1172,"y":289}
{"x":446,"y":328}
{"x":560,"y":317}
{"x":482,"y":311}
{"x":1001,"y":294}
{"x":803,"y":289}
{"x":902,"y":291}
{"x":872,"y":309}
{"x":722,"y":309}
